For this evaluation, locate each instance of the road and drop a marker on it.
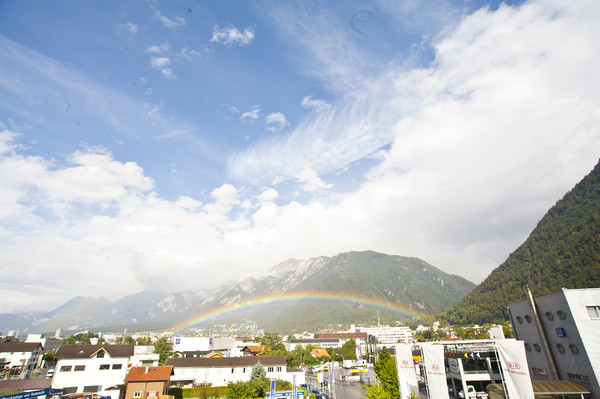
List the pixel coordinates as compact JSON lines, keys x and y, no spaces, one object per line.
{"x":345,"y":390}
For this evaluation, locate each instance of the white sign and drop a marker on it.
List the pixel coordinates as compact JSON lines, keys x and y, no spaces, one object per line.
{"x":433,"y":356}
{"x":513,"y":361}
{"x":407,"y":378}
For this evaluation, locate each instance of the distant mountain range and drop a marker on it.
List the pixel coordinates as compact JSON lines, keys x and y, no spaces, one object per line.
{"x":562,"y":251}
{"x":354,"y":287}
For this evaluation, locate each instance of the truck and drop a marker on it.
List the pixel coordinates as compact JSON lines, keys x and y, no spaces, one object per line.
{"x":472,"y":393}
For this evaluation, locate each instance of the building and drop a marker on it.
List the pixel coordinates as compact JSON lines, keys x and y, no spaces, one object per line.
{"x":253,"y":350}
{"x":202,"y":371}
{"x":561,"y":332}
{"x":148,"y":382}
{"x":318,"y":342}
{"x":20,"y":358}
{"x":390,"y":335}
{"x":92,"y":368}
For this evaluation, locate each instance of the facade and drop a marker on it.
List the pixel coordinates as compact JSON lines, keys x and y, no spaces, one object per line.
{"x":390,"y":335}
{"x":92,"y":368}
{"x":318,"y":342}
{"x":148,"y":382}
{"x":20,"y":357}
{"x":562,"y":335}
{"x":203,"y":371}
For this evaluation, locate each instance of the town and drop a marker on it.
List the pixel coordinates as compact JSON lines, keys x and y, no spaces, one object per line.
{"x":547,"y":350}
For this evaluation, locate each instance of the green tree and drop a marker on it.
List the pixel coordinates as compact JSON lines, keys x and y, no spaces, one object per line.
{"x":385,"y":368}
{"x":164,"y":349}
{"x":129,"y":340}
{"x":258,"y":372}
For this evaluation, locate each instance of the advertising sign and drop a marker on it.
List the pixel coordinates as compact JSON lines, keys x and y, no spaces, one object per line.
{"x":407,"y":378}
{"x":515,"y":369}
{"x":433,"y":355}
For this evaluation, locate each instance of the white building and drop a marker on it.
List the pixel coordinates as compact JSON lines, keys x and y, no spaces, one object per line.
{"x":221,"y":371}
{"x":317,"y":342}
{"x":562,"y":335}
{"x":390,"y":335}
{"x":21,"y":357}
{"x":92,"y":368}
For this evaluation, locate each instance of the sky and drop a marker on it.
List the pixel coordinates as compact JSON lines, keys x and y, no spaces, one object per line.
{"x":179,"y":145}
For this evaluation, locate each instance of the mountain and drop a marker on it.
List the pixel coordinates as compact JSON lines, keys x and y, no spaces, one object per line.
{"x":351,"y":287}
{"x":562,"y":251}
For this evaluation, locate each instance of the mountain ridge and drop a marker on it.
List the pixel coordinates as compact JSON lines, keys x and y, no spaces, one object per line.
{"x":388,"y":278}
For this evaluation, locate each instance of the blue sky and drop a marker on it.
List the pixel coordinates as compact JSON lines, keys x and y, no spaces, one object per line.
{"x":182,"y":144}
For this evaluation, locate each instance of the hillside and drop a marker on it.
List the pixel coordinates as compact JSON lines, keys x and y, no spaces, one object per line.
{"x":354,"y":287}
{"x":562,"y":251}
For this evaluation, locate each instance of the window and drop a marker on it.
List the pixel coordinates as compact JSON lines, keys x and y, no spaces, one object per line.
{"x":79,"y":368}
{"x":560,"y":348}
{"x":137,"y":394}
{"x":244,"y":370}
{"x":549,"y":316}
{"x":105,"y":367}
{"x":279,"y":369}
{"x":232,"y":370}
{"x":69,"y":390}
{"x":520,"y":319}
{"x":270,"y":369}
{"x":594,"y":312}
{"x":152,"y":394}
{"x":91,"y":388}
{"x":561,"y":315}
{"x":100,"y":354}
{"x":117,"y":366}
{"x":578,"y":377}
{"x":66,"y":368}
{"x":574,"y":349}
{"x":539,"y":371}
{"x":528,"y":318}
{"x":537,"y":347}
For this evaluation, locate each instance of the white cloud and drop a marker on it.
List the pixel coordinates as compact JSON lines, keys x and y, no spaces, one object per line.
{"x":231,"y":36}
{"x":476,"y":147}
{"x":276,"y":121}
{"x":318,"y":105}
{"x":189,"y":54}
{"x":157,"y":49}
{"x":169,"y":23}
{"x":252,"y":114}
{"x":268,"y":195}
{"x":311,"y":181}
{"x":161,"y":64}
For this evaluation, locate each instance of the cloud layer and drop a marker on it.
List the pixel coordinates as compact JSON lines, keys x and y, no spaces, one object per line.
{"x":459,"y":160}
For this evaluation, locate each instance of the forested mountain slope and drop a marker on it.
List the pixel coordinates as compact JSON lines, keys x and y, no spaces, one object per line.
{"x":562,"y":251}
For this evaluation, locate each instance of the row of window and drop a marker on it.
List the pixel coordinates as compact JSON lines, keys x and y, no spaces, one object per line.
{"x":81,"y":367}
{"x":149,"y":394}
{"x":594,"y":312}
{"x":559,"y":347}
{"x":269,"y":369}
{"x":561,"y":315}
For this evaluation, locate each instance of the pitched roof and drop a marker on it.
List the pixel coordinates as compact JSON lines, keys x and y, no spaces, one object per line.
{"x":19,"y":346}
{"x":207,"y":362}
{"x":255,"y":348}
{"x":157,"y":373}
{"x":319,"y":352}
{"x":76,"y":351}
{"x":26,"y":385}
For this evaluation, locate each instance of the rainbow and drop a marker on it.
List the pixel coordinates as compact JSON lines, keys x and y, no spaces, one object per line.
{"x":274,"y":299}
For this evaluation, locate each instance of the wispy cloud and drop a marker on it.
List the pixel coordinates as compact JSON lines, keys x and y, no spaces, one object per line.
{"x":169,"y":23}
{"x":253,"y":114}
{"x":189,"y":54}
{"x":158,"y":49}
{"x":231,"y":36}
{"x":276,"y":121}
{"x":318,"y":105}
{"x":162,"y":64}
